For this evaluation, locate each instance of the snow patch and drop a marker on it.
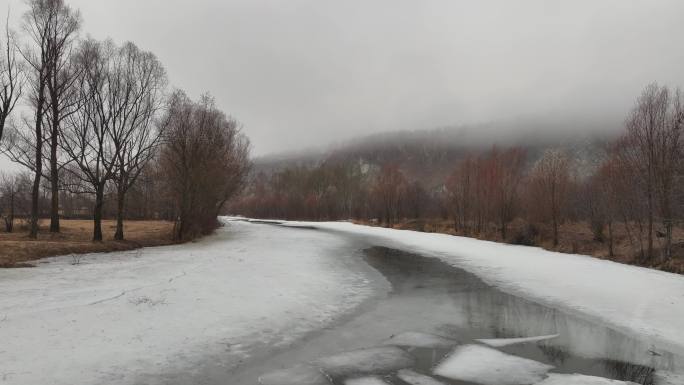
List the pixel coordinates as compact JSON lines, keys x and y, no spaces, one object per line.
{"x":487,"y":366}
{"x":500,"y":342}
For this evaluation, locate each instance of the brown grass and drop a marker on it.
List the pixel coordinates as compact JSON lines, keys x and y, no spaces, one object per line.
{"x":16,"y":248}
{"x":575,"y":238}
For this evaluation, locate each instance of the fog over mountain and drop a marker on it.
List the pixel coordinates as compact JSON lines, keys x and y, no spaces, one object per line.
{"x":307,"y":73}
{"x":537,"y":132}
{"x":430,"y":155}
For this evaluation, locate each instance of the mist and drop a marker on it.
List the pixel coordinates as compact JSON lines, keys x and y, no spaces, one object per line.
{"x":301,"y":74}
{"x":242,"y":191}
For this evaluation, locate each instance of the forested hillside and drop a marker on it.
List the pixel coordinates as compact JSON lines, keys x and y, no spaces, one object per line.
{"x":428,"y":155}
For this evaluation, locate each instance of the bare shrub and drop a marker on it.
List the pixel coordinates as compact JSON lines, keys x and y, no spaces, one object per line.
{"x":204,"y":160}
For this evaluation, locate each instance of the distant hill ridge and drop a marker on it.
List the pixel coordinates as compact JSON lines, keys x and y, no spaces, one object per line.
{"x":430,"y":155}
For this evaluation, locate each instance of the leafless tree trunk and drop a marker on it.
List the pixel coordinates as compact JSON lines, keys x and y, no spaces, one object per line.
{"x":137,"y":136}
{"x":551,"y":175}
{"x":11,"y":79}
{"x":388,"y":188}
{"x":60,"y":81}
{"x":509,"y":167}
{"x":652,"y":148}
{"x":460,"y":188}
{"x":8,"y":190}
{"x":90,"y":134}
{"x":38,"y":21}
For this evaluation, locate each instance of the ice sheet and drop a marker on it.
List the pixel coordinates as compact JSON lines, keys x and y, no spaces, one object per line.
{"x":366,"y":361}
{"x":668,"y":378}
{"x":579,"y":379}
{"x":413,"y":378}
{"x":298,"y":375}
{"x":119,"y":316}
{"x":499,"y":342}
{"x":644,"y":301}
{"x":420,"y":340}
{"x":487,"y":366}
{"x":365,"y":381}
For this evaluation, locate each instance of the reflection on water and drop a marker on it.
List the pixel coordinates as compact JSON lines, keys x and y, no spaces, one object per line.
{"x":429,"y":296}
{"x":485,"y":312}
{"x":629,"y":372}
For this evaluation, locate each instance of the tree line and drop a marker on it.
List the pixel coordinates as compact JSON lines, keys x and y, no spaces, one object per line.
{"x":101,"y":123}
{"x":636,"y":183}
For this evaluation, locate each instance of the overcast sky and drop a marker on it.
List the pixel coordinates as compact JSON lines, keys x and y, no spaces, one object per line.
{"x":300,"y":73}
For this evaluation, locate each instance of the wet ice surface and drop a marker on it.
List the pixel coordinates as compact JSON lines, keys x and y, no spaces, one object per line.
{"x":366,"y":361}
{"x":432,"y":307}
{"x":578,"y":379}
{"x":365,"y":381}
{"x":298,"y":375}
{"x":412,"y":378}
{"x":499,"y":342}
{"x":420,"y":340}
{"x":668,"y":378}
{"x":487,"y":366}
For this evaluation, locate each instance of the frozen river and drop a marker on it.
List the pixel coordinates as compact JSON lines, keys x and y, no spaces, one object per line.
{"x":335,"y":303}
{"x":429,"y":320}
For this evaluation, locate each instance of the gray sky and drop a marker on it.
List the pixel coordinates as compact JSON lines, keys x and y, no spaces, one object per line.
{"x":300,"y":73}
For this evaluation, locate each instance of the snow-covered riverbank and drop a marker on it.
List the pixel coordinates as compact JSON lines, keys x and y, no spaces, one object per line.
{"x":639,"y":301}
{"x":123,"y":318}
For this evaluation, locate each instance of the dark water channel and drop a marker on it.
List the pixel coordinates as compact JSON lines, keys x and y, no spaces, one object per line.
{"x":485,"y":312}
{"x":429,"y":296}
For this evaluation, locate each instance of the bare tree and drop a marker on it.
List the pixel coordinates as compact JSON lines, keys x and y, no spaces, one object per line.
{"x":11,"y":78}
{"x":136,"y":135}
{"x":652,"y":148}
{"x":551,"y":178}
{"x":88,"y":135}
{"x":204,"y":160}
{"x":51,"y":27}
{"x":387,"y":188}
{"x":38,"y":21}
{"x":509,"y":171}
{"x":8,"y":194}
{"x":669,"y":165}
{"x":612,"y":185}
{"x":415,"y":199}
{"x":460,"y":190}
{"x":61,"y":76}
{"x":14,"y":188}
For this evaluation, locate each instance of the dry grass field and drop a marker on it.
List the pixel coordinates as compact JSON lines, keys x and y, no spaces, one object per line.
{"x":16,"y":249}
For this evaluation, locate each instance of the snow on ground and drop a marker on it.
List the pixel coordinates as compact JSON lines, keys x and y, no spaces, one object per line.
{"x":119,"y":317}
{"x":487,"y":366}
{"x":500,"y":342}
{"x":637,"y":300}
